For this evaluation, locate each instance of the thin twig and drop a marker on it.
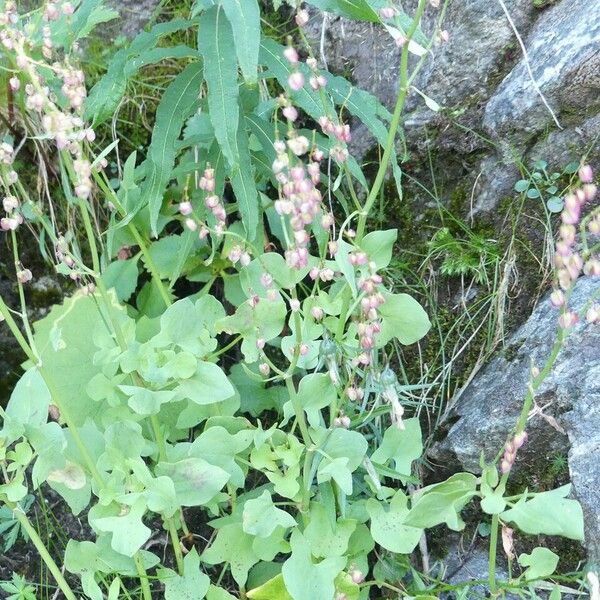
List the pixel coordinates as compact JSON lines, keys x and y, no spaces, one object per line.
{"x":527,"y":64}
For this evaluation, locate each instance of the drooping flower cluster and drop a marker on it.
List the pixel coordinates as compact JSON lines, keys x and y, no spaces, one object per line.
{"x":65,"y":126}
{"x":13,"y":217}
{"x":369,"y":324}
{"x":568,"y":260}
{"x":212,"y":203}
{"x":299,"y":198}
{"x":510,"y":451}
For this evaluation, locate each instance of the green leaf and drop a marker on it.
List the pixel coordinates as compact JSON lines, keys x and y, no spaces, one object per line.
{"x":555,"y":204}
{"x":129,"y":533}
{"x":522,"y":185}
{"x":146,"y":402}
{"x":379,"y":245}
{"x":271,"y":589}
{"x":360,"y":10}
{"x":193,"y":585}
{"x":261,"y":517}
{"x":306,"y":580}
{"x":442,"y":502}
{"x":29,"y":401}
{"x":400,"y":445}
{"x":533,"y":193}
{"x":66,"y":337}
{"x":217,"y":45}
{"x":343,"y":452}
{"x":177,"y":104}
{"x":208,"y":386}
{"x":219,"y":447}
{"x":388,"y":524}
{"x":315,"y":391}
{"x":190,"y":325}
{"x":122,"y":275}
{"x":327,"y":538}
{"x":89,"y":14}
{"x":106,"y":94}
{"x":492,"y":501}
{"x":232,"y":545}
{"x":244,"y":187}
{"x":403,"y":318}
{"x":541,"y":562}
{"x":244,"y":17}
{"x":550,"y":513}
{"x":265,"y":320}
{"x":216,"y":593}
{"x":166,"y":253}
{"x":196,"y":481}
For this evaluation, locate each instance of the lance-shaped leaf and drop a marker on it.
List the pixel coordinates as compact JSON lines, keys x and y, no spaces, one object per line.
{"x":242,"y":181}
{"x":106,"y":94}
{"x":360,"y":10}
{"x":217,"y":45}
{"x":244,"y":16}
{"x":177,"y":104}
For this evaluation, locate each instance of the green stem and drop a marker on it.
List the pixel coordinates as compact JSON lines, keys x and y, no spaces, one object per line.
{"x":23,"y":304}
{"x":492,"y":555}
{"x":139,"y":240}
{"x":301,"y":419}
{"x":139,"y":565}
{"x":394,"y":124}
{"x":65,"y":414}
{"x":176,"y":544}
{"x":42,"y":550}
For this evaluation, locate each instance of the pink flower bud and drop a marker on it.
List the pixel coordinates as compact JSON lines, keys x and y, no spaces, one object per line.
{"x":264,"y":369}
{"x":24,"y":276}
{"x":191,"y":224}
{"x":317,"y":313}
{"x":292,"y":56}
{"x":304,"y":349}
{"x":568,"y":319}
{"x":302,"y":18}
{"x":586,"y":174}
{"x":505,"y":466}
{"x":589,"y":191}
{"x":68,"y":9}
{"x":290,"y":113}
{"x":260,"y":343}
{"x":357,"y":576}
{"x":592,"y":267}
{"x":294,"y":305}
{"x":519,"y":439}
{"x":557,"y":298}
{"x":296,"y":81}
{"x":185,"y":208}
{"x":593,"y":314}
{"x":387,"y":12}
{"x":15,"y":83}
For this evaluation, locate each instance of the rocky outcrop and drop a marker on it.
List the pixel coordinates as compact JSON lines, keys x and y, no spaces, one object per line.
{"x":568,"y":419}
{"x":480,"y":77}
{"x":133,"y":16}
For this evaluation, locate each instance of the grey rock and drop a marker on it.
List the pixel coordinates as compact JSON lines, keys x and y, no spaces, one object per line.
{"x":564,"y":58}
{"x":464,"y":565}
{"x":133,"y":16}
{"x":570,"y":396}
{"x":480,"y":78}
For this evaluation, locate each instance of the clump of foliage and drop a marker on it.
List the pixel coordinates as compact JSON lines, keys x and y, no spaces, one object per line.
{"x":225,"y":350}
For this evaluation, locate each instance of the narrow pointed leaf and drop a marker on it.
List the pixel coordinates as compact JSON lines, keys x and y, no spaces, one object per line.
{"x":177,"y":104}
{"x":244,"y":16}
{"x":217,"y":45}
